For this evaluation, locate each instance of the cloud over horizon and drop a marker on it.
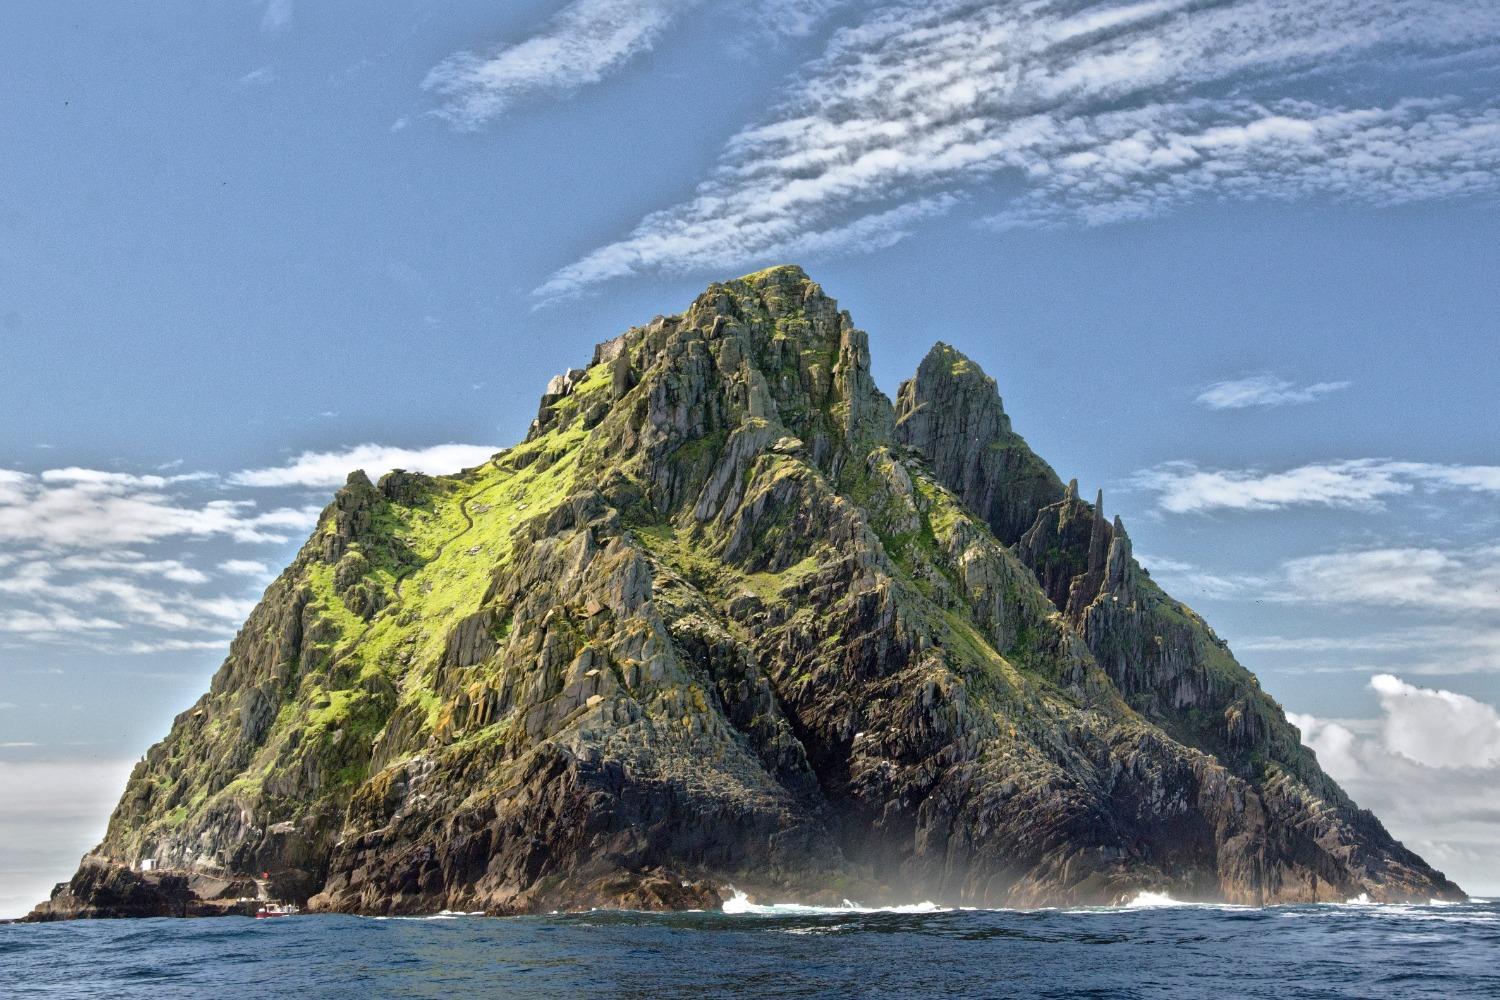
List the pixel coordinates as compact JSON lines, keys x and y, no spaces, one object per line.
{"x":1428,"y":767}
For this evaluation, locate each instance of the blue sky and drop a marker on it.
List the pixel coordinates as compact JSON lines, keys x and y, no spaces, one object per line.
{"x":1233,"y":262}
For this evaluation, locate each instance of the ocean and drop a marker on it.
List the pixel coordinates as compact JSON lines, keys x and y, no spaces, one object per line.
{"x":1351,"y":950}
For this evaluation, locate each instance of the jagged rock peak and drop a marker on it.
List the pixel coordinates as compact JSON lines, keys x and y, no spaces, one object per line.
{"x":952,"y":413}
{"x":728,"y":616}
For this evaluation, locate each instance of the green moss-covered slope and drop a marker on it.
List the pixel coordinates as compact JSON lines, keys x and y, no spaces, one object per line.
{"x":729,"y":615}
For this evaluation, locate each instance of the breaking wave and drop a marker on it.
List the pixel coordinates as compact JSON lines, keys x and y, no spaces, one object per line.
{"x":1187,"y":950}
{"x":1146,"y":900}
{"x":739,"y":902}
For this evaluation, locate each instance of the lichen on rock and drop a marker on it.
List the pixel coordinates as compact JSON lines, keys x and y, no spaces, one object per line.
{"x":728,"y":615}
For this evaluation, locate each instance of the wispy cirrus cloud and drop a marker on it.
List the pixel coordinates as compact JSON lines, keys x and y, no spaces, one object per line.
{"x":1461,"y":580}
{"x":1446,"y":649}
{"x":1264,"y":391}
{"x":1077,"y":113}
{"x":1424,"y":577}
{"x":580,"y":45}
{"x":1144,"y":162}
{"x":1365,"y":484}
{"x":258,"y":77}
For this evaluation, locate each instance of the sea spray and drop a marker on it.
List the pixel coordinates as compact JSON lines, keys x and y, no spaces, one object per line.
{"x":740,"y":903}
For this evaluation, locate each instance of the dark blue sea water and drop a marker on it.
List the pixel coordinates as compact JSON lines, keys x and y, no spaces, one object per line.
{"x":1169,"y":951}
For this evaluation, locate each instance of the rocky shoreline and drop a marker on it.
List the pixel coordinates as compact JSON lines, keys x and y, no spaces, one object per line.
{"x":731,"y":616}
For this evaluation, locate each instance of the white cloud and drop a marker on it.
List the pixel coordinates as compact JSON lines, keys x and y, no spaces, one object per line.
{"x":587,"y":41}
{"x":1472,"y":647}
{"x":52,"y":621}
{"x":792,"y":18}
{"x":1335,"y":745}
{"x":1183,"y":487}
{"x":1263,"y":390}
{"x":584,"y":42}
{"x":1428,"y":768}
{"x":1460,"y":580}
{"x":92,"y":509}
{"x":149,"y":646}
{"x":244,"y":567}
{"x":258,"y":77}
{"x":277,"y":16}
{"x":1437,"y":728}
{"x":132,"y":564}
{"x":1098,"y":112}
{"x":62,"y":604}
{"x":1189,"y":580}
{"x":320,"y":469}
{"x":1140,"y":163}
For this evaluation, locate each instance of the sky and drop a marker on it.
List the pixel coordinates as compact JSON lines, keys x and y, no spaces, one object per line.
{"x":1231,"y":261}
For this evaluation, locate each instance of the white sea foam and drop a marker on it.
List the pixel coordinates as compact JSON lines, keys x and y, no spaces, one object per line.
{"x":740,"y":903}
{"x":1148,"y":900}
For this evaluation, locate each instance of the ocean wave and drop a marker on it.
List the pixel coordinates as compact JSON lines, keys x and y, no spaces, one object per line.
{"x":740,"y":903}
{"x":1149,"y":900}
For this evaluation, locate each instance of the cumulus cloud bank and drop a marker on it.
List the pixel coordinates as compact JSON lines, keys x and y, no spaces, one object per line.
{"x":1076,"y":113}
{"x":1428,"y":767}
{"x":319,"y":469}
{"x":1435,"y":727}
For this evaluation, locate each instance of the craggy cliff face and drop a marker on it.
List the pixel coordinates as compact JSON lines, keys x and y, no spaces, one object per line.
{"x":728,"y":616}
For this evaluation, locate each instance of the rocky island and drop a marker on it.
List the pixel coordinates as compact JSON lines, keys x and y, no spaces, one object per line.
{"x":729,"y":616}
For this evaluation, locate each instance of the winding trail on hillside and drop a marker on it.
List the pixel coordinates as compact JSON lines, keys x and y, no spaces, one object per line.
{"x":437,"y":553}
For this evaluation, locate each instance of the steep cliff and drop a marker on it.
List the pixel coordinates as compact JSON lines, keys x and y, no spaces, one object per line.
{"x":728,"y":615}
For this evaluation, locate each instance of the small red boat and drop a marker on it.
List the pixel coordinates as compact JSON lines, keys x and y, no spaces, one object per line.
{"x":277,"y":910}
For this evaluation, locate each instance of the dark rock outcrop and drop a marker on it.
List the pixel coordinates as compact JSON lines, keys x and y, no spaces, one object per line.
{"x":951,"y":413}
{"x":102,"y":888}
{"x":729,"y":616}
